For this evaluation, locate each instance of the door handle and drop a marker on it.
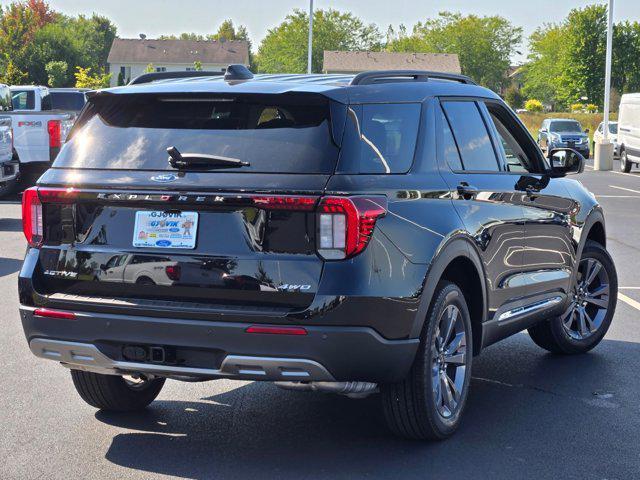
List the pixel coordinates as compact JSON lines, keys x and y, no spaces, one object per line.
{"x":466,"y":191}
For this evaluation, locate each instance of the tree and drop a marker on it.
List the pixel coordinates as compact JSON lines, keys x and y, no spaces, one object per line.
{"x":121,"y":81}
{"x":484,"y":45}
{"x":12,"y":75}
{"x":284,"y":49}
{"x":513,"y":96}
{"x":533,"y":105}
{"x":150,"y":68}
{"x":57,"y":73}
{"x":197,"y":66}
{"x":227,"y":31}
{"x":85,"y":79}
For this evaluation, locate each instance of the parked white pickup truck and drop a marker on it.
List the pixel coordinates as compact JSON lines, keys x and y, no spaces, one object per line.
{"x":38,"y":130}
{"x":8,"y":165}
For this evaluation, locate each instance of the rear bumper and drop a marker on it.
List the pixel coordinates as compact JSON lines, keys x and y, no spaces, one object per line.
{"x":206,"y":349}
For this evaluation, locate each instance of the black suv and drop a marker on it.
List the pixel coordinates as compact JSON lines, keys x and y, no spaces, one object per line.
{"x":325,"y":232}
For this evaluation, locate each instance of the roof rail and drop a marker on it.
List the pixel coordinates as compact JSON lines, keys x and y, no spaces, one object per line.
{"x":153,"y":76}
{"x":387,"y":76}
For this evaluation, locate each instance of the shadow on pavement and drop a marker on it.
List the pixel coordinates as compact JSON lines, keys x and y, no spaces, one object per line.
{"x":9,"y":266}
{"x":530,"y":415}
{"x":10,"y":225}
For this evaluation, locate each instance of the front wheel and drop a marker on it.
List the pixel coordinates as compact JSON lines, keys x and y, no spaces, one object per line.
{"x":115,"y":393}
{"x":585,"y":322}
{"x":625,"y":164}
{"x":429,"y":402}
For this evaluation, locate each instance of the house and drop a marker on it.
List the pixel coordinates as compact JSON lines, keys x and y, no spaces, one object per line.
{"x":130,"y":57}
{"x":355,"y":62}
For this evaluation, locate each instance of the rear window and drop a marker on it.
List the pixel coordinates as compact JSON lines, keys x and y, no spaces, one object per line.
{"x":23,"y":99}
{"x":5,"y":99}
{"x":69,"y":101}
{"x":275,"y":133}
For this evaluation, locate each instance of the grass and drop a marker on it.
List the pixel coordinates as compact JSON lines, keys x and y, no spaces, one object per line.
{"x":588,"y":120}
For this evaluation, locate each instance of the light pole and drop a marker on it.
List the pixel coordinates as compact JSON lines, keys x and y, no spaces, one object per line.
{"x":310,"y":48}
{"x":603,"y":154}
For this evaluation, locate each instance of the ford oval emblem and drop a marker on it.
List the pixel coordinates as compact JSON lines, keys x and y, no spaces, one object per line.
{"x":164,"y":178}
{"x":163,"y":243}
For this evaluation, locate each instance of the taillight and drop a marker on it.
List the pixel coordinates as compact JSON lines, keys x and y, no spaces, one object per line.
{"x":32,"y":210}
{"x":54,"y":127}
{"x":173,"y":272}
{"x":32,"y":222}
{"x":345,"y":224}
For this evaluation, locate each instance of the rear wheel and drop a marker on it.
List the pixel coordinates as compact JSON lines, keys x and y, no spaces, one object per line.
{"x":625,"y":164}
{"x":115,"y":393}
{"x":428,"y":404}
{"x":593,"y":302}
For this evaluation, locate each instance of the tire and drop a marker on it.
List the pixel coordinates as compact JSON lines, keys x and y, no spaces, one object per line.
{"x":114,"y":393}
{"x":625,"y":164}
{"x":412,"y":407}
{"x":574,"y":332}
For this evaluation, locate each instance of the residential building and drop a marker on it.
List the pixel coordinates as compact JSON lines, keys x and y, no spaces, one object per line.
{"x":355,"y":62}
{"x":132,"y":56}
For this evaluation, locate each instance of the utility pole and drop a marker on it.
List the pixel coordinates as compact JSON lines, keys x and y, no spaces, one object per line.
{"x":603,"y":154}
{"x":310,"y":36}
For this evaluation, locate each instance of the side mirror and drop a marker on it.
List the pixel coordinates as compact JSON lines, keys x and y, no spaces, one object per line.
{"x":565,"y":161}
{"x":543,"y":130}
{"x":586,"y":130}
{"x":103,"y":267}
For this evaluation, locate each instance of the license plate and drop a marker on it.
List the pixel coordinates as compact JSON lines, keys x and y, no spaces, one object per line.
{"x":157,"y":229}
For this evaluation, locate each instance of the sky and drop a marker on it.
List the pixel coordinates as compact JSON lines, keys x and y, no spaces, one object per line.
{"x":157,"y":17}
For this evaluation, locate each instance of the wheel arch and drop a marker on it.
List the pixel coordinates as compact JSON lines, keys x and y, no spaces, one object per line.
{"x":459,"y":263}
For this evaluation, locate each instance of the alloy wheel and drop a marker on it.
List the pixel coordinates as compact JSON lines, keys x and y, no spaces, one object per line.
{"x":590,"y":300}
{"x":449,"y":361}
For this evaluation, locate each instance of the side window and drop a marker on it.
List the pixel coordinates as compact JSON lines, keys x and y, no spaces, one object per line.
{"x":23,"y":99}
{"x":449,"y":147}
{"x":471,"y":136}
{"x":514,"y":157}
{"x":380,"y":138}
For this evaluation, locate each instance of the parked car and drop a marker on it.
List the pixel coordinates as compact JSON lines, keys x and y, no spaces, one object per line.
{"x":613,"y":137}
{"x":70,"y":100}
{"x":629,"y":131}
{"x":9,"y":168}
{"x":38,"y":130}
{"x":563,"y":133}
{"x":379,"y":232}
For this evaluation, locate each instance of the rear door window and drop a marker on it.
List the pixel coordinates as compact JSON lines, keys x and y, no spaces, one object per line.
{"x":68,"y":101}
{"x":274,"y":133}
{"x":380,"y":138}
{"x":472,"y":137}
{"x":23,"y":99}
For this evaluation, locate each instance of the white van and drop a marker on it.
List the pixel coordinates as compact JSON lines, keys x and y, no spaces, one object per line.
{"x":629,"y":131}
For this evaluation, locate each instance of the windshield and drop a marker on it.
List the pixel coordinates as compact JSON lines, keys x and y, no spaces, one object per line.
{"x":69,"y":101}
{"x":275,"y":133}
{"x":565,"y":126}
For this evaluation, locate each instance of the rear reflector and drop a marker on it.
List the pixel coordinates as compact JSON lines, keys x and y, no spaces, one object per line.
{"x":45,"y":312}
{"x":274,"y":330}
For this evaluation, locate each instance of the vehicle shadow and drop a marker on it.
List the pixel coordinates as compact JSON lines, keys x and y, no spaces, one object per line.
{"x":9,"y":266}
{"x":530,"y":415}
{"x":10,"y":225}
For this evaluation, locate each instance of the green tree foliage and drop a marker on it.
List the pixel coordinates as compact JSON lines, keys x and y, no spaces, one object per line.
{"x":284,"y":49}
{"x":513,"y":97}
{"x":567,"y":60}
{"x":484,"y":45}
{"x":121,"y":80}
{"x":12,"y":75}
{"x":85,"y":79}
{"x":533,"y":105}
{"x":32,"y":35}
{"x":197,"y":66}
{"x":57,"y":73}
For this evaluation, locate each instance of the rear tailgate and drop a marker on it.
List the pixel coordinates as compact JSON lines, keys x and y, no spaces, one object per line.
{"x":235,"y":239}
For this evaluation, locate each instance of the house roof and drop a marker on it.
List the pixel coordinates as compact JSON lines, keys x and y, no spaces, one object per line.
{"x":335,"y":61}
{"x":133,"y":50}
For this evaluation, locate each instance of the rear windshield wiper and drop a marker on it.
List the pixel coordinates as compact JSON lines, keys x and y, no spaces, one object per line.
{"x":201,"y":160}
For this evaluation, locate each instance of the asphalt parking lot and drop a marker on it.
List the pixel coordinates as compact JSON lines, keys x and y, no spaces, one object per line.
{"x":530,"y":414}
